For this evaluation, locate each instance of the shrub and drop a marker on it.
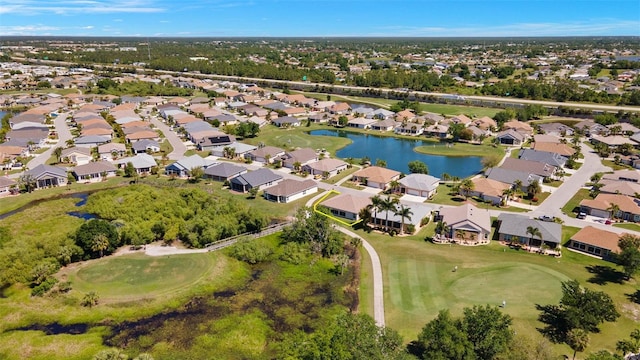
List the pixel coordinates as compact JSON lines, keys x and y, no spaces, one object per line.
{"x":251,"y":252}
{"x":294,"y":253}
{"x":44,"y":287}
{"x":411,"y":228}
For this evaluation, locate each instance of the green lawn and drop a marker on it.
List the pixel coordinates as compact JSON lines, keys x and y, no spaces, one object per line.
{"x":419,"y":282}
{"x":612,"y":164}
{"x":628,"y":226}
{"x":342,"y":175}
{"x":460,"y":149}
{"x":574,"y":202}
{"x":137,"y":276}
{"x":165,"y":147}
{"x":298,"y":137}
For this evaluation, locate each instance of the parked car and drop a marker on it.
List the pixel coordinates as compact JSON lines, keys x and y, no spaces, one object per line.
{"x":582,"y":215}
{"x":546,"y":218}
{"x":607,"y":222}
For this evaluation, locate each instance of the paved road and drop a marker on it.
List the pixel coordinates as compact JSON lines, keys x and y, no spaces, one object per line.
{"x":64,"y":134}
{"x":178,"y":146}
{"x":378,"y":288}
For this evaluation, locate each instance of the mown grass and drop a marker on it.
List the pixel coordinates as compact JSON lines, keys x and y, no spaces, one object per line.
{"x":461,"y":149}
{"x":628,"y":226}
{"x":574,"y":203}
{"x":298,"y":137}
{"x":419,"y":282}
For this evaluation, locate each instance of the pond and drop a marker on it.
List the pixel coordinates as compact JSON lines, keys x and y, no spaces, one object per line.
{"x":399,"y":152}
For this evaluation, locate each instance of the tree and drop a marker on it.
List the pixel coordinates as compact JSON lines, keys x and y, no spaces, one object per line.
{"x":195,"y":174}
{"x":466,"y":187}
{"x":130,"y":170}
{"x":445,"y":177}
{"x":488,"y":330}
{"x":297,"y":166}
{"x":517,"y":186}
{"x":253,"y":192}
{"x":418,"y":167}
{"x":577,"y":339}
{"x":28,"y":181}
{"x":603,"y":355}
{"x":614,"y":209}
{"x":631,"y":345}
{"x":444,"y":339}
{"x":376,"y":204}
{"x":404,"y":213}
{"x":90,"y":299}
{"x":629,"y":256}
{"x":534,"y":188}
{"x":58,"y":154}
{"x":579,"y":308}
{"x":388,"y":205}
{"x":89,"y":231}
{"x":315,"y":230}
{"x":490,"y":161}
{"x":534,"y":232}
{"x":343,"y":120}
{"x":394,"y":185}
{"x":100,"y":243}
{"x":381,"y":163}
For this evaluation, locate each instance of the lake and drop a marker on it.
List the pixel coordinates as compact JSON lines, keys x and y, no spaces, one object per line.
{"x":399,"y":152}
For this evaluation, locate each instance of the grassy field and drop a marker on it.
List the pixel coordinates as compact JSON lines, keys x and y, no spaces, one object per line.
{"x":574,"y":202}
{"x":137,"y":276}
{"x":628,"y":226}
{"x":298,"y":137}
{"x":419,"y":282}
{"x":461,"y":149}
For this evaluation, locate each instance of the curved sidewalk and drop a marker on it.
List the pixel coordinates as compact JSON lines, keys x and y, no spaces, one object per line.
{"x":378,"y":289}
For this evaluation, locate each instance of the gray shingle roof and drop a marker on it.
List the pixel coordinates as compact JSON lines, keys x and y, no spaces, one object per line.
{"x":42,"y":171}
{"x":420,"y":182}
{"x":94,"y":168}
{"x":224,"y":169}
{"x":257,"y":178}
{"x":514,"y":224}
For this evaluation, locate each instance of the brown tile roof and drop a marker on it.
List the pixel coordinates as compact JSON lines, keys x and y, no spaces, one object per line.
{"x":348,"y":202}
{"x":562,"y":149}
{"x":143,"y":135}
{"x":377,"y":174}
{"x":601,"y":238}
{"x":604,"y":201}
{"x":489,"y":186}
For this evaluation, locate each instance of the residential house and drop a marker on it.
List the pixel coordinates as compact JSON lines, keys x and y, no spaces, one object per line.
{"x":466,"y":223}
{"x":239,"y":150}
{"x":620,"y":187}
{"x":376,"y":177}
{"x":91,"y":141}
{"x":290,"y":190}
{"x":325,"y":167}
{"x":361,"y":123}
{"x":8,"y":186}
{"x":507,"y":176}
{"x":142,"y":135}
{"x":94,"y":171}
{"x":556,"y":148}
{"x":145,"y":145}
{"x":612,"y":141}
{"x":601,"y":206}
{"x":183,"y":167}
{"x":590,"y":128}
{"x":485,"y":123}
{"x":544,"y":170}
{"x":514,"y":228}
{"x":412,"y":129}
{"x":596,"y":242}
{"x":384,"y":125}
{"x":259,"y":179}
{"x":77,"y":155}
{"x":347,"y":206}
{"x":339,"y":108}
{"x":437,"y":130}
{"x":224,"y":171}
{"x":112,"y":151}
{"x":519,"y":126}
{"x":491,"y":191}
{"x":420,"y":185}
{"x":300,"y":157}
{"x":48,"y":176}
{"x":391,"y":220}
{"x":215,"y":139}
{"x":623,"y":175}
{"x":286,"y":121}
{"x":265,"y":154}
{"x":142,"y":163}
{"x":545,"y":157}
{"x":555,"y":129}
{"x":510,"y":137}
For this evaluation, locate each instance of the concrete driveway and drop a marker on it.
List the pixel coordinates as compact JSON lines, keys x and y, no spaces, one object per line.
{"x":179,"y":147}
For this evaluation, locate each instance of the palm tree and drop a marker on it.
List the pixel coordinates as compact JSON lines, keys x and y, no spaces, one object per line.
{"x":445,"y":177}
{"x":460,"y":234}
{"x":614,"y":209}
{"x":90,"y":299}
{"x":100,"y":243}
{"x":58,"y":153}
{"x":577,"y":339}
{"x":533,"y":231}
{"x":466,"y":187}
{"x":517,"y":186}
{"x":534,"y":188}
{"x":441,"y":227}
{"x":394,"y":185}
{"x":404,"y":213}
{"x":70,"y":143}
{"x":388,"y":204}
{"x":297,"y":165}
{"x":376,"y":202}
{"x":507,"y":192}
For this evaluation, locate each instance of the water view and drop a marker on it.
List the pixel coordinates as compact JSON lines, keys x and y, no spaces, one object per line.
{"x":398,"y":152}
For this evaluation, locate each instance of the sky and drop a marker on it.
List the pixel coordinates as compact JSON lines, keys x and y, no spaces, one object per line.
{"x":320,"y":18}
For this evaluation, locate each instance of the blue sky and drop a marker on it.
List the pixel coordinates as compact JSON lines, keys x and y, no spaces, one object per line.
{"x":307,"y":18}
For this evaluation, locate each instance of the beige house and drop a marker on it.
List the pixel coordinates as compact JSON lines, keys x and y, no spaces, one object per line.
{"x":376,"y":177}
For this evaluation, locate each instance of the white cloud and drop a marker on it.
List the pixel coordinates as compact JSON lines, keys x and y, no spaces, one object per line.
{"x":27,"y":30}
{"x":65,"y":7}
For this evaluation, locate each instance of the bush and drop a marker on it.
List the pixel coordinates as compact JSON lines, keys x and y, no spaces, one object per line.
{"x":424,"y":221}
{"x":294,"y":253}
{"x":44,"y":286}
{"x":251,"y":252}
{"x":411,"y":228}
{"x":535,"y":199}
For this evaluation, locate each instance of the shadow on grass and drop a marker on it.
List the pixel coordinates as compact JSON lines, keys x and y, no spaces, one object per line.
{"x":604,"y":274}
{"x":634,"y":297}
